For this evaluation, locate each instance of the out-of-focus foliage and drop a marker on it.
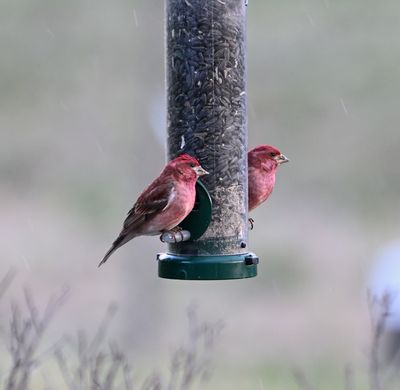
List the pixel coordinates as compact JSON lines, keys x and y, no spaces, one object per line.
{"x":84,"y":361}
{"x":82,"y":133}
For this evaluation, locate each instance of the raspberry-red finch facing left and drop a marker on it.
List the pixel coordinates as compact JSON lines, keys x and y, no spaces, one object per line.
{"x":263,"y":161}
{"x":164,"y":204}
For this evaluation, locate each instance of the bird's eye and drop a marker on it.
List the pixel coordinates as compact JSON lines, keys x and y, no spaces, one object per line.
{"x":273,"y":154}
{"x":192,"y":165}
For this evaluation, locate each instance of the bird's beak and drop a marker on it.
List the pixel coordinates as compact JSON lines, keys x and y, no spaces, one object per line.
{"x":280,"y":159}
{"x":200,"y":171}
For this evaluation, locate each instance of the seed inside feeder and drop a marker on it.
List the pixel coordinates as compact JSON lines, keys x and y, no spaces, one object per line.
{"x":207,"y":110}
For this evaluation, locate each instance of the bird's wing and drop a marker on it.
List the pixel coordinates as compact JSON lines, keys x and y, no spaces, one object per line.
{"x":154,"y":199}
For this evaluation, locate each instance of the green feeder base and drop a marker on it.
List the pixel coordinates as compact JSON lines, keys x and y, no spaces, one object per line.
{"x":183,"y":267}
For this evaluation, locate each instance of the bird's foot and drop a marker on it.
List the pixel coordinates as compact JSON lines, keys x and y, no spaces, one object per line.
{"x":175,"y":235}
{"x":170,"y":235}
{"x":251,"y":222}
{"x":176,"y":229}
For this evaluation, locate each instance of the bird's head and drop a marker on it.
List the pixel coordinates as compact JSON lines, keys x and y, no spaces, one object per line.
{"x":266,"y":155}
{"x":187,"y":167}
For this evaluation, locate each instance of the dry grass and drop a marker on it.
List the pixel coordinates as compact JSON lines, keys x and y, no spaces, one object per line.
{"x":380,"y":372}
{"x":100,"y":364}
{"x":94,"y":362}
{"x":27,"y":326}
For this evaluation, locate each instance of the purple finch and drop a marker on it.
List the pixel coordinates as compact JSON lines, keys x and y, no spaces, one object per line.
{"x":263,"y":161}
{"x":163,"y":204}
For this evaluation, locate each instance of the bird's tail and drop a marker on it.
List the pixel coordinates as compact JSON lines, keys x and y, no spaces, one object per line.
{"x":121,"y":240}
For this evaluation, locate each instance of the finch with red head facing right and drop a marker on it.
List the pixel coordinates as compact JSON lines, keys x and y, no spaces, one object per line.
{"x":263,"y":162}
{"x":164,"y":204}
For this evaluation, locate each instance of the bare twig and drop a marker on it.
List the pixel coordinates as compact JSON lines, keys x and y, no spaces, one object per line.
{"x":153,"y":382}
{"x":381,"y":306}
{"x":103,"y":327}
{"x":63,"y":366}
{"x":116,"y":359}
{"x":6,"y":281}
{"x":348,"y":377}
{"x":25,"y":334}
{"x":96,"y":368}
{"x":301,"y":379}
{"x":192,"y":364}
{"x":127,"y":375}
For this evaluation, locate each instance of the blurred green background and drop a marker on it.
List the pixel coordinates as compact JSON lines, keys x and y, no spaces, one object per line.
{"x":82,"y":132}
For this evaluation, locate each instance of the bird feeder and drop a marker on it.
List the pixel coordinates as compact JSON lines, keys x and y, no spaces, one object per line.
{"x":207,"y":118}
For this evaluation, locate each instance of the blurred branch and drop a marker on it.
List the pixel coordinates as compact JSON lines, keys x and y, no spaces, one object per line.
{"x":153,"y":382}
{"x":97,"y":364}
{"x":192,"y":364}
{"x":6,"y":281}
{"x":348,"y":377}
{"x":25,"y":334}
{"x":99,"y":367}
{"x":301,"y":380}
{"x":96,"y":367}
{"x":379,"y":313}
{"x":379,"y":308}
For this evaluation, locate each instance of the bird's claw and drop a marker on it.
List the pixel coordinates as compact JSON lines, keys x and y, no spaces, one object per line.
{"x":176,"y":229}
{"x":173,"y":232}
{"x":251,"y":222}
{"x":175,"y":235}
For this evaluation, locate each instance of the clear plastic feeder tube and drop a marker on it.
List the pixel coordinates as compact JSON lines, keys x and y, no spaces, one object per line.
{"x":206,"y":112}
